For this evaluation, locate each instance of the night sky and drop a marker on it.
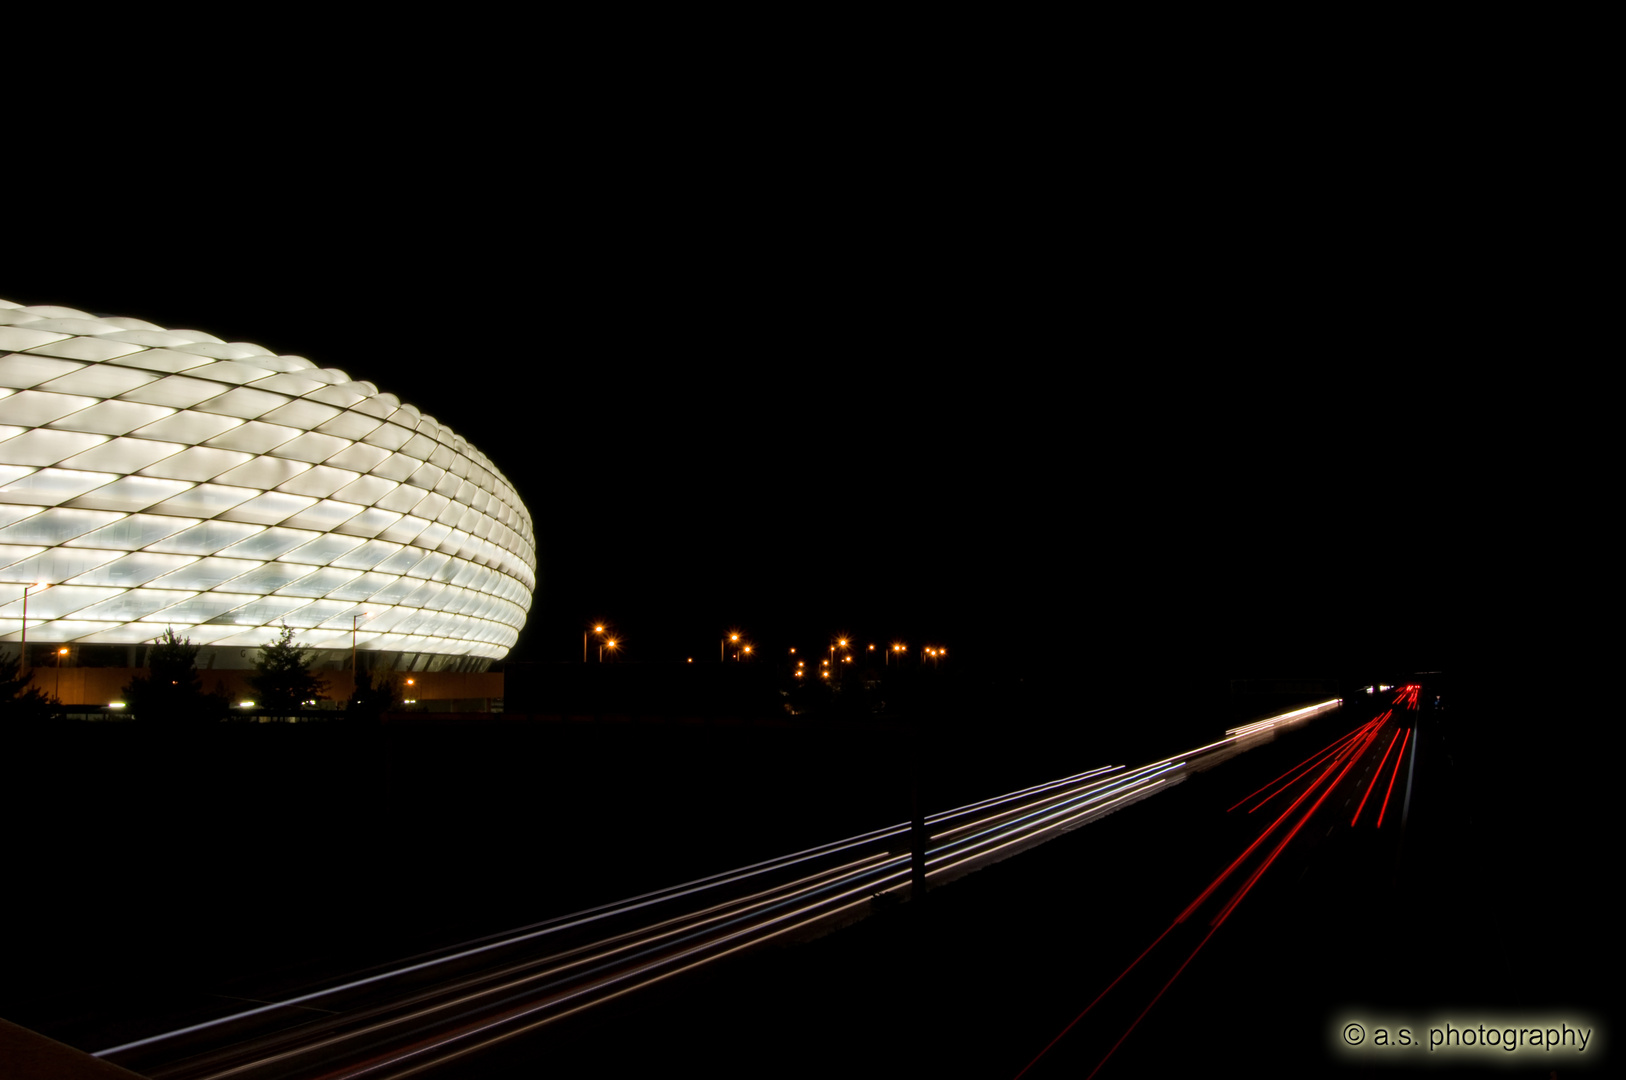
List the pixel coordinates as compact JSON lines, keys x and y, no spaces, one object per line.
{"x":1039,"y":406}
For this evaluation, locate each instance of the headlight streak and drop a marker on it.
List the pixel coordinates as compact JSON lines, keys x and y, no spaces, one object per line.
{"x":602,"y":970}
{"x":564,"y":922}
{"x":1026,"y":836}
{"x":1045,"y":813}
{"x":1269,"y":722}
{"x":947,"y":815}
{"x":1093,"y":788}
{"x":621,"y":943}
{"x":692,"y":951}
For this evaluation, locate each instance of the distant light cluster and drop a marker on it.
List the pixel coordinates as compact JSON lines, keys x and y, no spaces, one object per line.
{"x":153,"y":478}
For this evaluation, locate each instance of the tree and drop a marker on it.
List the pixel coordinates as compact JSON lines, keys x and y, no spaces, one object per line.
{"x":284,"y":682}
{"x":369,"y":702}
{"x":18,"y":700}
{"x":174,"y":690}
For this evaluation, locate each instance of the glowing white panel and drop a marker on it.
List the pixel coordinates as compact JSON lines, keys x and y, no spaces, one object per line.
{"x":66,"y":324}
{"x":263,"y":472}
{"x":61,"y":564}
{"x":325,"y":515}
{"x":196,"y":463}
{"x":204,"y":574}
{"x":289,"y":383}
{"x":49,"y":486}
{"x":270,"y":577}
{"x":112,"y":417}
{"x":262,"y":612}
{"x":193,"y":427}
{"x":10,"y":557}
{"x":121,"y":455}
{"x":242,"y":402}
{"x":231,"y":371}
{"x":363,"y":587}
{"x":343,"y":395}
{"x":131,"y":532}
{"x":156,"y":339}
{"x":255,"y":436}
{"x":369,"y":522}
{"x":86,"y":348}
{"x":319,"y":582}
{"x":176,"y":391}
{"x":165,"y":360}
{"x":10,"y":513}
{"x":361,"y":457}
{"x":321,"y":551}
{"x":312,"y":446}
{"x":365,"y":490}
{"x":303,"y":415}
{"x":38,"y":446}
{"x":129,"y":606}
{"x":318,"y":612}
{"x":102,"y":380}
{"x":389,"y":436}
{"x":230,"y":350}
{"x":133,"y":570}
{"x":19,"y":338}
{"x":196,"y":610}
{"x":269,"y":544}
{"x":368,"y":555}
{"x":32,"y":408}
{"x":56,"y":602}
{"x":205,"y":500}
{"x":20,"y":372}
{"x":130,"y":493}
{"x":319,"y":482}
{"x":431,"y":536}
{"x":430,"y":506}
{"x":267,"y":509}
{"x":404,"y":531}
{"x":349,"y":426}
{"x":396,"y":589}
{"x":201,"y":538}
{"x":398,"y":467}
{"x":88,"y":426}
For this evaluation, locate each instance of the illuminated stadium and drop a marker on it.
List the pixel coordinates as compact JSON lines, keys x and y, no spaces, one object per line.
{"x":154,"y":478}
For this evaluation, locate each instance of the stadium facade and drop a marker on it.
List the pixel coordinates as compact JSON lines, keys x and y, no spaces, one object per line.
{"x":154,"y":479}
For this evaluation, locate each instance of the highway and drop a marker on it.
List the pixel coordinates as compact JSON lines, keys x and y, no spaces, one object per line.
{"x":430,"y":1013}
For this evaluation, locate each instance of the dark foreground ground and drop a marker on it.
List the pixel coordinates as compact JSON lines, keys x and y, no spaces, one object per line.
{"x":155,"y":868}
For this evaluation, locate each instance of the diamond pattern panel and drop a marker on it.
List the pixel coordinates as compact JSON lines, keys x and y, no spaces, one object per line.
{"x":153,"y":477}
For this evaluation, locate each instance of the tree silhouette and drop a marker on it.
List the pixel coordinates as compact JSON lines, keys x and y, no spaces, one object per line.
{"x":174,"y":690}
{"x":18,"y":700}
{"x":369,"y":702}
{"x":284,"y":682}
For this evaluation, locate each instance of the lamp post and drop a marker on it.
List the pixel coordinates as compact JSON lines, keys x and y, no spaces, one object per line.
{"x":22,"y":667}
{"x":596,"y":630}
{"x":722,"y":647}
{"x":60,"y":653}
{"x":354,"y":619}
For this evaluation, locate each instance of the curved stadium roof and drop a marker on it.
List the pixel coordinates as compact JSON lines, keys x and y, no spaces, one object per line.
{"x":160,"y":478}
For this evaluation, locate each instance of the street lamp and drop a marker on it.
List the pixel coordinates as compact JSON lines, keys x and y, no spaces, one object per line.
{"x":22,"y":667}
{"x":607,"y":644}
{"x":60,"y":653}
{"x":596,"y":630}
{"x":722,"y":647}
{"x":354,"y":619}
